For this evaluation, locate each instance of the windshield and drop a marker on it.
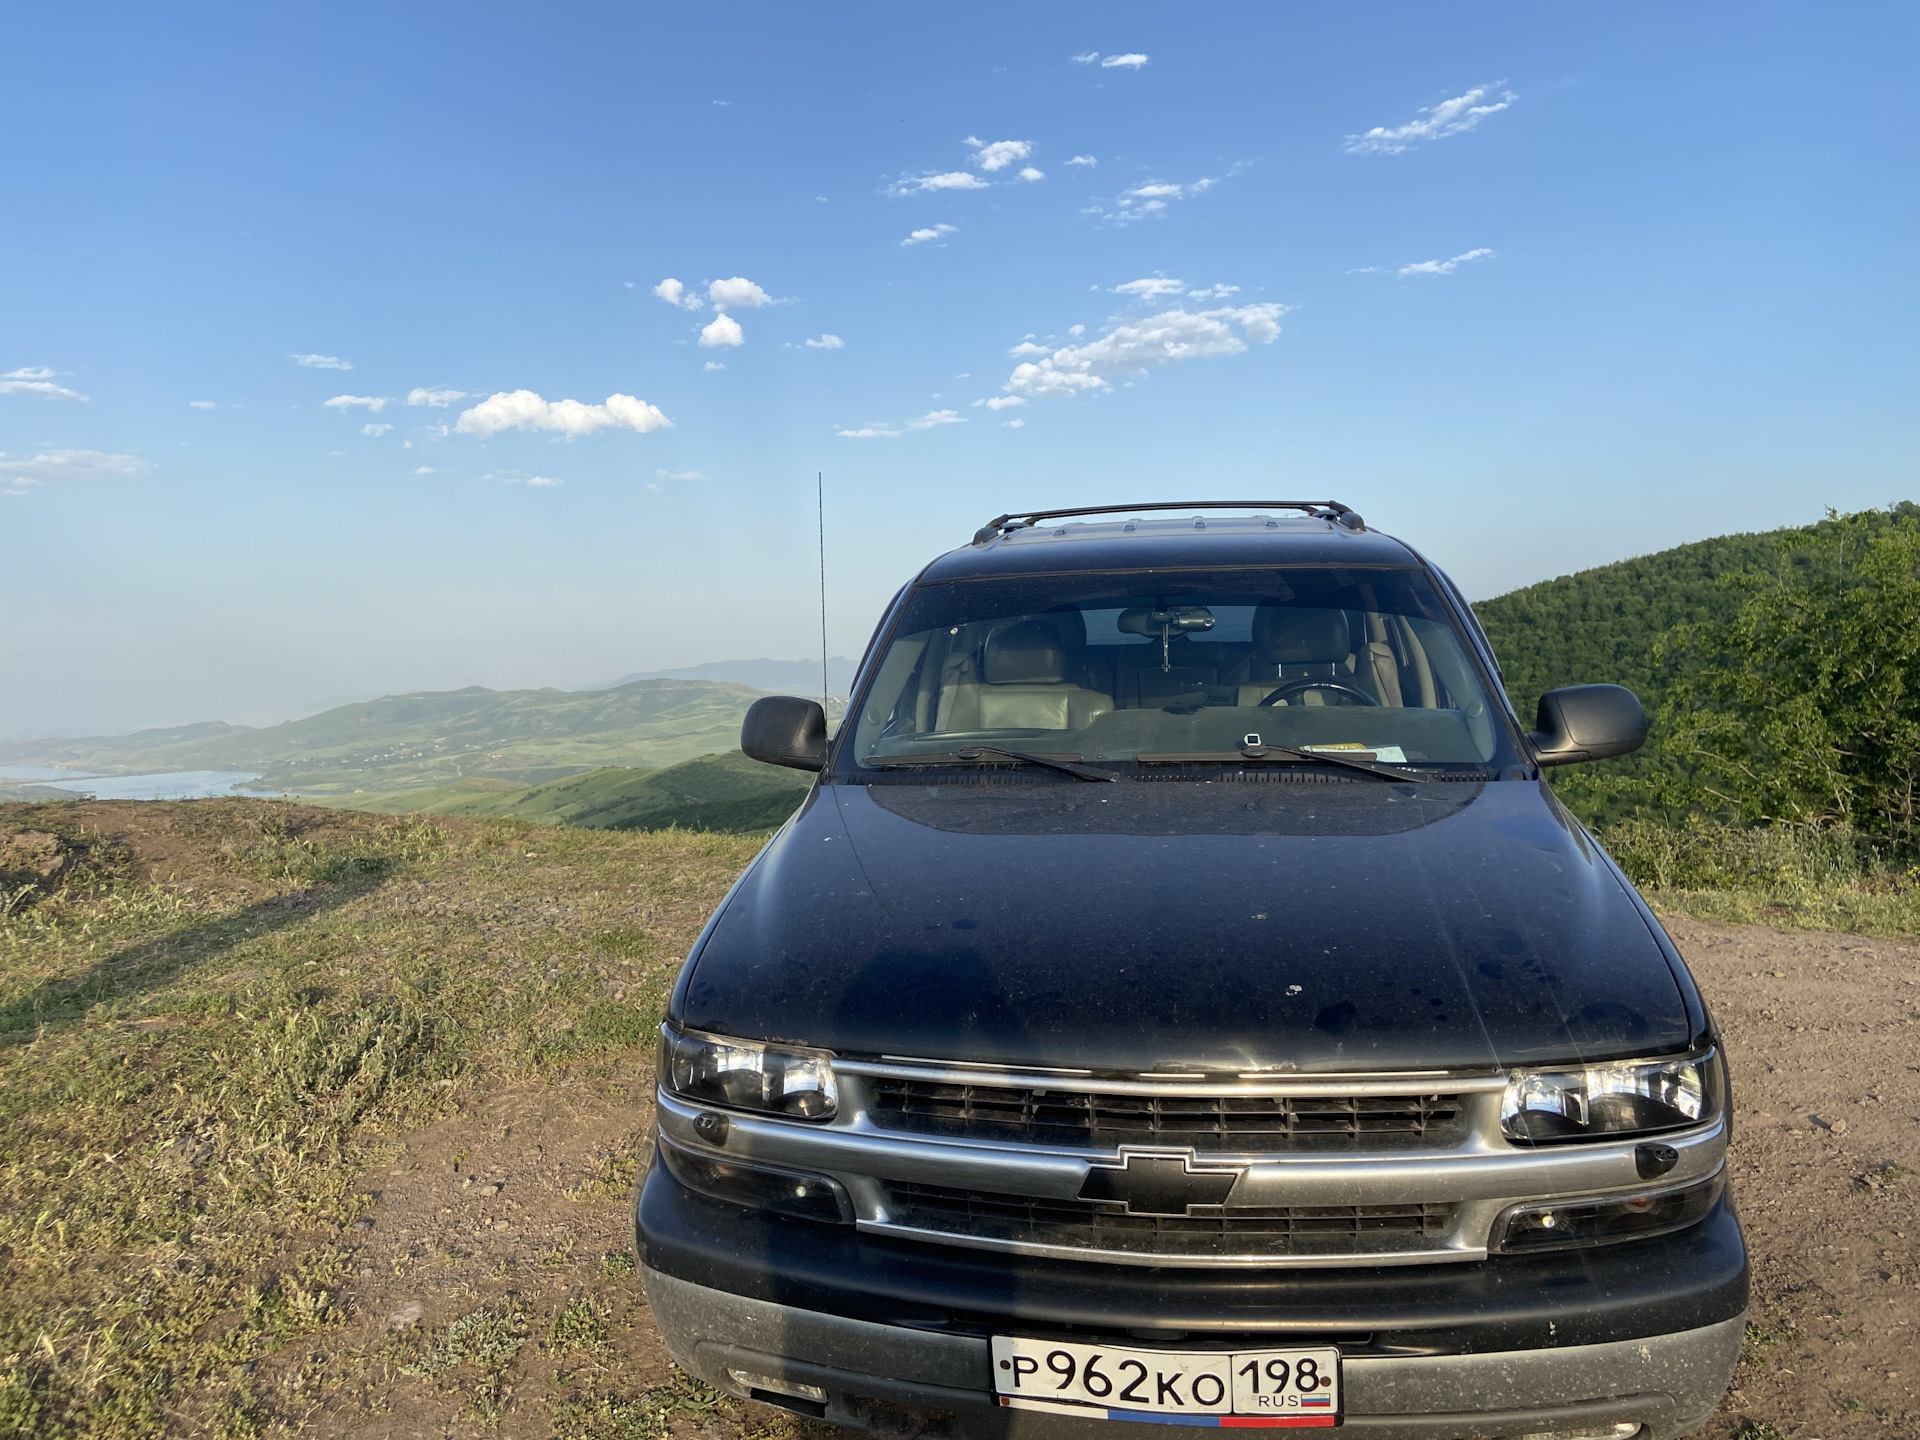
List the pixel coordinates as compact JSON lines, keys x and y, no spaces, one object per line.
{"x":1161,"y":667}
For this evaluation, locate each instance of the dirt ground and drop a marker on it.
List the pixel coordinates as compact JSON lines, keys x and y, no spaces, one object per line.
{"x":1823,"y":1032}
{"x":1826,"y":1058}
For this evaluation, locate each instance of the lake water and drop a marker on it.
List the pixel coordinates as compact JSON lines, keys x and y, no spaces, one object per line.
{"x":173,"y":785}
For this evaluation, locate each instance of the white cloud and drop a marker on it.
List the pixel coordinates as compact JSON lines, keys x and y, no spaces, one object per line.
{"x":1123,"y":62}
{"x":1090,"y":57}
{"x":999,"y":154}
{"x":543,"y":482}
{"x":1081,"y":160}
{"x":1001,"y":402}
{"x":1076,"y":330}
{"x":739,"y":293}
{"x":944,"y":180}
{"x":1013,"y":424}
{"x":36,"y":380}
{"x":23,"y":473}
{"x":1435,"y":122}
{"x":1213,"y":292}
{"x":1130,"y":349}
{"x":1151,"y":288}
{"x":321,"y":362}
{"x":723,"y":331}
{"x":524,"y":410}
{"x":826,"y":342}
{"x":714,"y":365}
{"x":1030,"y":173}
{"x":935,"y":418}
{"x":678,"y":475}
{"x":374,"y":403}
{"x":375,"y":430}
{"x":424,"y":470}
{"x":674,"y":293}
{"x":1445,"y":267}
{"x":1152,"y":198}
{"x":439,"y":399}
{"x":201,"y":405}
{"x":930,"y":233}
{"x":881,"y":430}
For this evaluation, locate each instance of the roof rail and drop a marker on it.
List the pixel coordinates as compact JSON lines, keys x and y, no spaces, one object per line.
{"x":1332,"y":510}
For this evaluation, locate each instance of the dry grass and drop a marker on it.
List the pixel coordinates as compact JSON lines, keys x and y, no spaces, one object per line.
{"x":215,"y":1015}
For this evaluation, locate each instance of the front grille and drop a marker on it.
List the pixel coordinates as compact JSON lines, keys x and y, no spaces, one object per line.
{"x":1232,"y":1230}
{"x":1199,"y":1122}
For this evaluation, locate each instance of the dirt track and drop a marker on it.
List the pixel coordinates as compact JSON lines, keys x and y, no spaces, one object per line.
{"x":1824,"y":1032}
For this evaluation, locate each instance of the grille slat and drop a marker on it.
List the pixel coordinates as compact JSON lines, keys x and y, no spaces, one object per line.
{"x":1311,"y":1230}
{"x":1202,"y":1122}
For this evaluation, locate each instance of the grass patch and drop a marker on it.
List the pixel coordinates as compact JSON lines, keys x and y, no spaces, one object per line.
{"x":1768,"y":875}
{"x":646,"y":1417}
{"x":478,"y":1347}
{"x":576,"y":1326}
{"x":195,"y":1070}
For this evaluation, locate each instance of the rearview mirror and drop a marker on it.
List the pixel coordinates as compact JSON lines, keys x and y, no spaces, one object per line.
{"x":786,"y":730}
{"x":1587,"y":722}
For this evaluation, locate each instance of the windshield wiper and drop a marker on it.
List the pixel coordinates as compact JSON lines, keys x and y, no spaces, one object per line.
{"x":977,"y":752}
{"x":1279,"y":752}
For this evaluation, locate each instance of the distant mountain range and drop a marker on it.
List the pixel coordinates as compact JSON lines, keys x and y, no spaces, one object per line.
{"x":716,"y":792}
{"x":415,"y":742}
{"x":778,"y":677}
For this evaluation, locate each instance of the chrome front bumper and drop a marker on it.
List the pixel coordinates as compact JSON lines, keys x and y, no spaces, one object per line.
{"x":892,"y":1379}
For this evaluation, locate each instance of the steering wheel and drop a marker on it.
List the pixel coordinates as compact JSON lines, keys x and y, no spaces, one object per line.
{"x":1300,"y":687}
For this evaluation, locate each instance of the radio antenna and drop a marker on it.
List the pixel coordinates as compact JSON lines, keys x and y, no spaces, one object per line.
{"x":820,"y":508}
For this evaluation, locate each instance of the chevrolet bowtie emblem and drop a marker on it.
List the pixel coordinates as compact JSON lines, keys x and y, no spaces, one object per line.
{"x":1159,"y":1184}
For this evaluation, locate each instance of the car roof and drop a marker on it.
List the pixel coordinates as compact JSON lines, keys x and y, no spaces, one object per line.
{"x":1182,"y":542}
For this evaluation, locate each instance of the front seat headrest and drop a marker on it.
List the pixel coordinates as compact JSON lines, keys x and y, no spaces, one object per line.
{"x":1286,"y":635}
{"x":1027,"y":653}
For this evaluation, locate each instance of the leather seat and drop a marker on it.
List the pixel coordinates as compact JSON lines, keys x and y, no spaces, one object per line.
{"x":1293,"y":643}
{"x":1024,"y":685}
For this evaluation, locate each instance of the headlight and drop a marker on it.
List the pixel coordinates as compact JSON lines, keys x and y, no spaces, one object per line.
{"x":1610,"y":1102}
{"x":746,"y":1075}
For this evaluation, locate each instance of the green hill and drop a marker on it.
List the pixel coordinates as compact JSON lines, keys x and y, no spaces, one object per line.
{"x":433,"y":739}
{"x":1602,"y":624}
{"x":716,"y":792}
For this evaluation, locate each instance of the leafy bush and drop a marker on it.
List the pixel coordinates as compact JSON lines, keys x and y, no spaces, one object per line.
{"x":1804,"y":708}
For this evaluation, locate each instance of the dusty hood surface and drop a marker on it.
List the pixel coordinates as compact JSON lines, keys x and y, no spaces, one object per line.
{"x":1215,"y":926}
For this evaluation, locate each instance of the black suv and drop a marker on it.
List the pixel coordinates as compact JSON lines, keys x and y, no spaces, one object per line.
{"x":1317,"y":1068}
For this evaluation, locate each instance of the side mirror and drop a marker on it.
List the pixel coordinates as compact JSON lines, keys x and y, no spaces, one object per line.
{"x":1588,"y":722}
{"x":785,"y":730}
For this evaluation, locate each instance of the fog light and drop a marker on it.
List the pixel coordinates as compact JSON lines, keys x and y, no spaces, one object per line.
{"x":1601,"y":1222}
{"x":759,"y":1187}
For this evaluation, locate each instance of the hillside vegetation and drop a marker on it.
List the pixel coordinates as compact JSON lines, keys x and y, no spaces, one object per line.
{"x":1607,"y":625}
{"x":716,"y":792}
{"x":416,"y":742}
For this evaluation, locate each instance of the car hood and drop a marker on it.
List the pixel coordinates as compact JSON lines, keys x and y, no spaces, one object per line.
{"x":1223,"y":926}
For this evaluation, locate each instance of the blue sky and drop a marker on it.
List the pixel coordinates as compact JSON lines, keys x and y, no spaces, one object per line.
{"x":1535,"y":287}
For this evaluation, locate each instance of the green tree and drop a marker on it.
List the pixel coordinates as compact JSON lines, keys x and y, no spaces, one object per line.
{"x":1804,"y":708}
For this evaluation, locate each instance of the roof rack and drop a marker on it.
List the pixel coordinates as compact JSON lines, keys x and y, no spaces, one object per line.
{"x":1333,"y":510}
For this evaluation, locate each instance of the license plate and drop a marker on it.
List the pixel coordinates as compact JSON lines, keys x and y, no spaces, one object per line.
{"x":1246,"y":1389}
